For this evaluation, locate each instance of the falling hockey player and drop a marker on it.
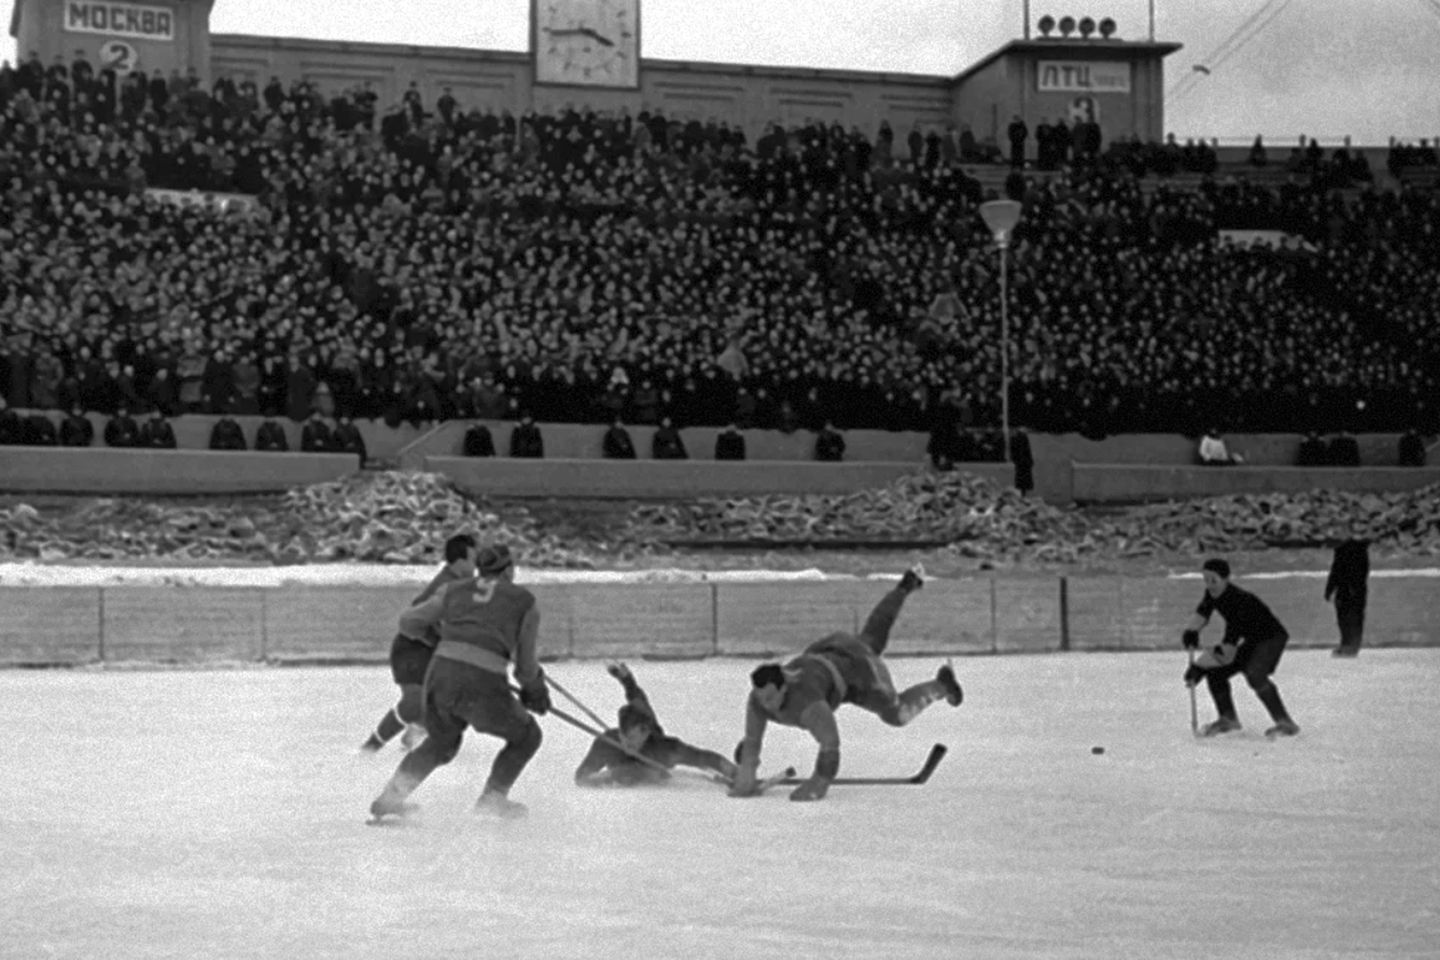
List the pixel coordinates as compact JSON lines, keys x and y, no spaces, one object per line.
{"x":1253,"y":642}
{"x":640,"y":731}
{"x":841,"y":668}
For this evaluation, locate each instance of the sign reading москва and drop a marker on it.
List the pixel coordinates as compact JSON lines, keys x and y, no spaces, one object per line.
{"x":120,"y":19}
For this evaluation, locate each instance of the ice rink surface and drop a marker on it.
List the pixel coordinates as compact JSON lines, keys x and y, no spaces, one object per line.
{"x":219,"y":814}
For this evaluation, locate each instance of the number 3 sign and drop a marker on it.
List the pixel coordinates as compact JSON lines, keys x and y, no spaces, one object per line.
{"x":118,"y":56}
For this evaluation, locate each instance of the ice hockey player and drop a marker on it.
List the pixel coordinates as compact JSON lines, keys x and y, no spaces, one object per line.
{"x":1252,"y":644}
{"x":640,"y":731}
{"x":841,"y":668}
{"x":410,"y":656}
{"x":487,"y":627}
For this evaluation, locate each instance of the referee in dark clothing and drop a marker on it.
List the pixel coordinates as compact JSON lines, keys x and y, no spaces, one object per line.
{"x":1253,"y":642}
{"x":1348,"y":587}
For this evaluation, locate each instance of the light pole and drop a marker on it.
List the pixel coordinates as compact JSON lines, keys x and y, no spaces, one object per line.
{"x":1001,"y":217}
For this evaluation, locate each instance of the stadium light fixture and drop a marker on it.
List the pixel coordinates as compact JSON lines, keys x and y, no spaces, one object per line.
{"x":1001,"y":216}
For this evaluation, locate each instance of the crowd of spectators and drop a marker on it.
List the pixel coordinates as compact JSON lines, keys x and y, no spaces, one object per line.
{"x":415,"y":264}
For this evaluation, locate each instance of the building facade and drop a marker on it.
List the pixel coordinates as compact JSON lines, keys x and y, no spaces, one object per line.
{"x":1117,"y":82}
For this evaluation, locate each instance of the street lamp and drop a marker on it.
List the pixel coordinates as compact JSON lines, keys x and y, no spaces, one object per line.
{"x":1001,"y":216}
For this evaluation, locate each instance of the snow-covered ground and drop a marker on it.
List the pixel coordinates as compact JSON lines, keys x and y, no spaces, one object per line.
{"x":219,"y":814}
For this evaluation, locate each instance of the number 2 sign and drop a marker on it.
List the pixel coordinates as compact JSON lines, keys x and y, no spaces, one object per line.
{"x":118,"y":56}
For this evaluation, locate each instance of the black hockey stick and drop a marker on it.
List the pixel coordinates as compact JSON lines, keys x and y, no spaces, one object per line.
{"x":1194,"y":716}
{"x":937,"y":753}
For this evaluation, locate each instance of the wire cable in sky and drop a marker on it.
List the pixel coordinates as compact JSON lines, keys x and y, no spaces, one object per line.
{"x":1433,"y":6}
{"x":1238,"y":41}
{"x":1225,"y":44}
{"x":1187,"y":82}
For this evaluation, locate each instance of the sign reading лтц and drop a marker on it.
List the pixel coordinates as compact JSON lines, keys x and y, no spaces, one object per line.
{"x":1088,"y":76}
{"x":120,"y":19}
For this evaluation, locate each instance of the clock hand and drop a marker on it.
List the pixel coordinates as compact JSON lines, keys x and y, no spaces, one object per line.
{"x":600,"y":39}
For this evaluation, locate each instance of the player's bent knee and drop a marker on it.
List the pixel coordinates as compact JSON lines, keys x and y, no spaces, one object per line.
{"x":444,"y":752}
{"x":1260,"y":683}
{"x":411,"y":706}
{"x":529,"y":741}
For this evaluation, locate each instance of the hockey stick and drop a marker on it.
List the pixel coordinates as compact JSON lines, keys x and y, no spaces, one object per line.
{"x":1194,"y":716}
{"x":571,"y":697}
{"x":788,"y":775}
{"x":937,"y":753}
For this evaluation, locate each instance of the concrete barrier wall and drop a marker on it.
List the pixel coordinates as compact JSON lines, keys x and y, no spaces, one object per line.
{"x":623,"y":479}
{"x":192,"y":431}
{"x":50,"y":625}
{"x":576,"y":441}
{"x":1114,"y":613}
{"x":977,"y":615}
{"x":1110,"y":483}
{"x":1258,"y":449}
{"x":106,"y":472}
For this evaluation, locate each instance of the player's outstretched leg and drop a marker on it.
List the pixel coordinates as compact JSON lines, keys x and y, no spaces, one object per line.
{"x":508,"y":765}
{"x":911,"y":702}
{"x":384,"y":731}
{"x":405,"y":715}
{"x":1269,"y":695}
{"x":1227,"y":721}
{"x":418,"y":764}
{"x":876,"y":632}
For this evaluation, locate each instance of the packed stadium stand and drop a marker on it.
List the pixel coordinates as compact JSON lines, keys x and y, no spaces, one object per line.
{"x":417,"y":262}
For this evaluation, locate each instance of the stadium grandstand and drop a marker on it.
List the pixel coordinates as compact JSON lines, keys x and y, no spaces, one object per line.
{"x":200,"y":245}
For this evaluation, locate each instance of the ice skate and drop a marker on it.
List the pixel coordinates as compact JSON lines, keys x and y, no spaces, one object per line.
{"x":384,"y":807}
{"x":913,"y":579}
{"x":1284,"y":727}
{"x":953,"y":694}
{"x":1345,"y":652}
{"x":498,"y":805}
{"x":1217,"y":727}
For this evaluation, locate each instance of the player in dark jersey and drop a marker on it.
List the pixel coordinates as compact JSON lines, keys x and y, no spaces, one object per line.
{"x":410,"y":656}
{"x":640,"y":731}
{"x":488,"y":627}
{"x":841,"y":668}
{"x":1253,"y":642}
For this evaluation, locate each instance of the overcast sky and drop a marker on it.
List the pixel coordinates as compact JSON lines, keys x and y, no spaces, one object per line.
{"x":1321,"y":67}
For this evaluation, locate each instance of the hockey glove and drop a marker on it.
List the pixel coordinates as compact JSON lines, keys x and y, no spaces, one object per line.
{"x":1190,"y":639}
{"x":1220,"y":656}
{"x":744,"y":784}
{"x":536,"y":696}
{"x":1194,"y":674}
{"x":827,"y":764}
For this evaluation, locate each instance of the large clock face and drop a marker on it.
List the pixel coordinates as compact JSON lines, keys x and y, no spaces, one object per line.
{"x":593,"y":43}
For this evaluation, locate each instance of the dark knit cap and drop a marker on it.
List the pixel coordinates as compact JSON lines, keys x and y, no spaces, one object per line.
{"x":1219,"y":567}
{"x":494,"y":560}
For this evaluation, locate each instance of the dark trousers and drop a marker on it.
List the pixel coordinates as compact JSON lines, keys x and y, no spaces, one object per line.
{"x":1350,"y":617}
{"x":457,"y":696}
{"x":1257,"y":660}
{"x":868,"y":681}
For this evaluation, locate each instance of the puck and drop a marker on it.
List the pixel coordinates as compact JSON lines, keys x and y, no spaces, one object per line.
{"x":1097,"y":750}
